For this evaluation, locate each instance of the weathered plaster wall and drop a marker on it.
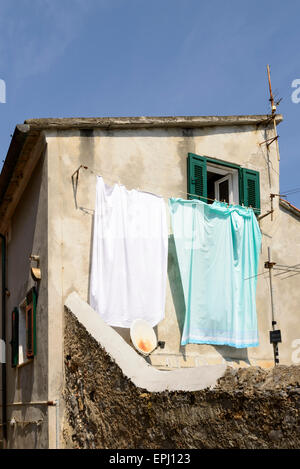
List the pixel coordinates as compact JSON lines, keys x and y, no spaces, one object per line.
{"x":248,"y":408}
{"x":28,"y":235}
{"x":283,"y":236}
{"x":155,"y":160}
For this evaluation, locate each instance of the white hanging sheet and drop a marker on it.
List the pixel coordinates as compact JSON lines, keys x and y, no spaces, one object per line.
{"x":129,"y":256}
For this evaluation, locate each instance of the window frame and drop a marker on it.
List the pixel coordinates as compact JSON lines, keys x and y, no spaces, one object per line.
{"x":243,"y":174}
{"x":234,"y":173}
{"x":22,"y":334}
{"x":228,"y":177}
{"x":23,"y":346}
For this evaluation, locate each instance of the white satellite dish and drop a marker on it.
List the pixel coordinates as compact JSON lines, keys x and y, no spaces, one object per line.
{"x":143,"y":336}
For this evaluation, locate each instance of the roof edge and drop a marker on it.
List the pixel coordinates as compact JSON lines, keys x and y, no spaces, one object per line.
{"x":16,"y":145}
{"x":290,"y":207}
{"x":144,"y":121}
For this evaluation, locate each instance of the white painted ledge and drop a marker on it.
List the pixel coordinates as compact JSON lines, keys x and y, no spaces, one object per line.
{"x":134,"y":366}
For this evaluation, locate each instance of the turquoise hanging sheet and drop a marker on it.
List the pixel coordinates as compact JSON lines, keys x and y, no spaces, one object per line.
{"x":218,"y":252}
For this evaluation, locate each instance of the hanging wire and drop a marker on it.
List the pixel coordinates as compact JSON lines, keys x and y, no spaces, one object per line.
{"x":257,"y":275}
{"x":282,"y":270}
{"x":103,"y":173}
{"x":292,"y":191}
{"x":280,"y":266}
{"x":287,"y":269}
{"x":292,"y":275}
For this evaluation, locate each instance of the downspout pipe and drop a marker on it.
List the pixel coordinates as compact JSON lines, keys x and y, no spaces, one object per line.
{"x":3,"y":311}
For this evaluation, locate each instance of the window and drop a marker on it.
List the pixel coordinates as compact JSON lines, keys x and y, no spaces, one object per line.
{"x":23,"y":337}
{"x":223,"y":189}
{"x":222,"y":183}
{"x":210,"y":179}
{"x":22,"y":333}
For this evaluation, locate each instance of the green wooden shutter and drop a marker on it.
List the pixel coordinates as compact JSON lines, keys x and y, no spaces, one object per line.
{"x":15,"y":337}
{"x":197,"y":177}
{"x":31,"y":300}
{"x":250,"y":190}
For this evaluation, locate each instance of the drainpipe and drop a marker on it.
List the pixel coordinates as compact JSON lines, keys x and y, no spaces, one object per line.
{"x":57,"y":423}
{"x":4,"y":400}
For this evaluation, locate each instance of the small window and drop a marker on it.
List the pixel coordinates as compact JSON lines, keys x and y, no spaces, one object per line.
{"x":222,"y":184}
{"x":23,"y":341}
{"x":210,"y":180}
{"x":22,"y":333}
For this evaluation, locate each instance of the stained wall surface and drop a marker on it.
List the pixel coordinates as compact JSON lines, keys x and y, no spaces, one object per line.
{"x":27,"y":234}
{"x":156,"y":160}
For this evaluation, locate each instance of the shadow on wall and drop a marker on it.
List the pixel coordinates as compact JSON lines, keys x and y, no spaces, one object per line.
{"x":232,"y":354}
{"x":228,"y":353}
{"x":175,"y":283}
{"x":124,"y":332}
{"x":90,"y":256}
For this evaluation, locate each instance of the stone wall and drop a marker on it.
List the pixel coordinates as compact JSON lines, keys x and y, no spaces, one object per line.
{"x":248,"y":408}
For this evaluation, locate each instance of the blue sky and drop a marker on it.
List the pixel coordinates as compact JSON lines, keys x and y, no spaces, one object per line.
{"x":65,"y":58}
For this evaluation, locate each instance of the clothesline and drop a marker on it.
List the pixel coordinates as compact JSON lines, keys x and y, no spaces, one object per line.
{"x":103,"y":173}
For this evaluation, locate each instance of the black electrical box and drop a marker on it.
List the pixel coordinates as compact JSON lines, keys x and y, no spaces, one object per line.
{"x":275,"y":336}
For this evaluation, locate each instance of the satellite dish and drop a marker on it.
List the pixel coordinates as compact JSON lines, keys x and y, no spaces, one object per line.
{"x":143,"y":336}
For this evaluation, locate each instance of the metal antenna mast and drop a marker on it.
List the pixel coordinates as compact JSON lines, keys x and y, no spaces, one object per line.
{"x":273,"y":112}
{"x":275,"y":334}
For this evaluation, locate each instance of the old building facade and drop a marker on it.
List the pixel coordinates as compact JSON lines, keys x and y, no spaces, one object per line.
{"x":47,"y":201}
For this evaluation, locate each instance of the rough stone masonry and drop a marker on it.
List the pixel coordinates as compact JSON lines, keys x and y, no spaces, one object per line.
{"x":248,"y":408}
